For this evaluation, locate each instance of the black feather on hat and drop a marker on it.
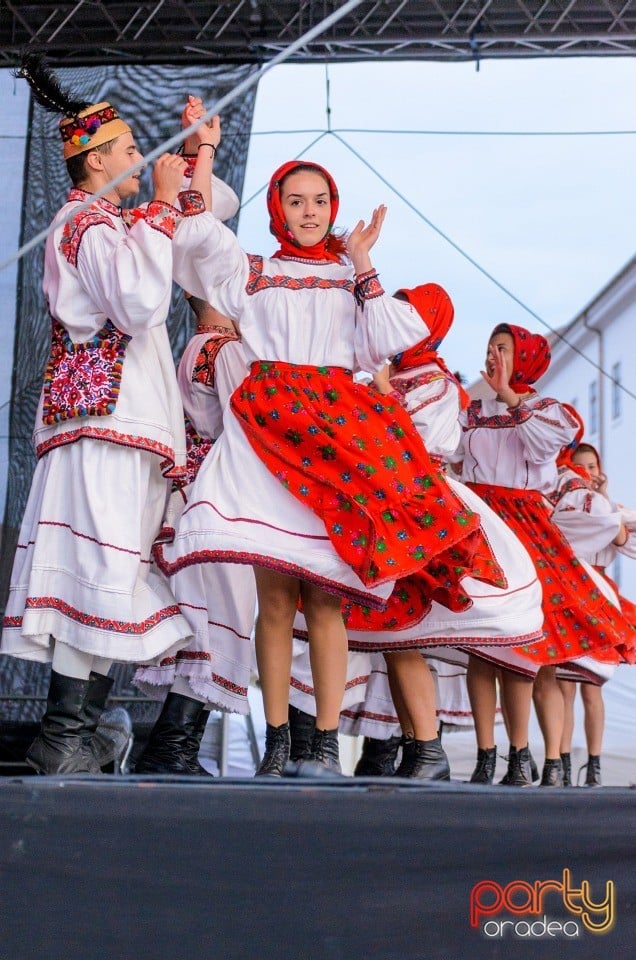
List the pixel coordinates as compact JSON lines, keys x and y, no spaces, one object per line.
{"x":46,"y":87}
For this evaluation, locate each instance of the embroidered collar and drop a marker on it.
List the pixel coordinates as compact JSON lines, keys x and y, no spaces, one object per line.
{"x":321,"y":260}
{"x":217,"y":328}
{"x":105,"y":205}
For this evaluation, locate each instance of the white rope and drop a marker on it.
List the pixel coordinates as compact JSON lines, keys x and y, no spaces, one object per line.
{"x":179,"y":138}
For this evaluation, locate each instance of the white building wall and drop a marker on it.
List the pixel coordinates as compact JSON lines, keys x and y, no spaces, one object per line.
{"x":611,"y":344}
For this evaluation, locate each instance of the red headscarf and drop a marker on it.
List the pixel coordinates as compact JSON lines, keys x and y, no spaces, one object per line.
{"x":564,"y":458}
{"x":436,"y":309}
{"x":531,"y":356}
{"x":289,"y":246}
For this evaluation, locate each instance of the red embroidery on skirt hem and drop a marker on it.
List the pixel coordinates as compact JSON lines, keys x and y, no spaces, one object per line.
{"x":168,"y":467}
{"x":259,"y":560}
{"x":91,"y":620}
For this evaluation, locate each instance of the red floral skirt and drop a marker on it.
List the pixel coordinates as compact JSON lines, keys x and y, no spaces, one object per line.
{"x":578,"y":618}
{"x":627,"y":651}
{"x":354,"y":457}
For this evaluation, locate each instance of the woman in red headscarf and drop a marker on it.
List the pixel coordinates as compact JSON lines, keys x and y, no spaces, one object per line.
{"x":597,"y":530}
{"x":496,"y":617}
{"x":508,"y":451}
{"x":321,"y":484}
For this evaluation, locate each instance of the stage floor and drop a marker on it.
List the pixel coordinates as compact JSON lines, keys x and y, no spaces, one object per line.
{"x":168,"y":867}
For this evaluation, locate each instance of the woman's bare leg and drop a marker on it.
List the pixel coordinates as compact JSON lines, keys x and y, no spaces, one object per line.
{"x":410,"y":674}
{"x":568,"y":691}
{"x":277,"y":603}
{"x":328,"y":652}
{"x":403,"y":715}
{"x":592,"y":697}
{"x":516,"y":694}
{"x":548,"y":703}
{"x":482,"y":691}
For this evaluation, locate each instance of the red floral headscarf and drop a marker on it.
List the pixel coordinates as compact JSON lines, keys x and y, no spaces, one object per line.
{"x":289,"y":246}
{"x":436,"y":309}
{"x":564,"y":458}
{"x":531,"y":356}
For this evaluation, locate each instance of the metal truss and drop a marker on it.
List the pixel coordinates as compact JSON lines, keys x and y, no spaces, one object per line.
{"x":253,"y":31}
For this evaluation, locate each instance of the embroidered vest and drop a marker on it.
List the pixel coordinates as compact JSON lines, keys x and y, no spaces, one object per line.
{"x":83,"y":379}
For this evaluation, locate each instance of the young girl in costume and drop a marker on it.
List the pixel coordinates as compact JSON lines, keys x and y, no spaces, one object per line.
{"x":597,"y":530}
{"x":320,"y":483}
{"x":508,"y":452}
{"x":500,"y":613}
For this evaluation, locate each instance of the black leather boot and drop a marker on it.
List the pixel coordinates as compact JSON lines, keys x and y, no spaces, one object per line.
{"x":378,"y":757}
{"x":566,"y":763}
{"x":59,"y":747}
{"x":301,"y":730}
{"x":323,"y":760}
{"x":519,"y":773}
{"x":194,"y":744}
{"x":277,"y":746}
{"x":484,"y":771}
{"x":107,"y":735}
{"x":593,"y":771}
{"x":552,"y":773}
{"x":423,"y":760}
{"x":534,"y":770}
{"x":169,"y":747}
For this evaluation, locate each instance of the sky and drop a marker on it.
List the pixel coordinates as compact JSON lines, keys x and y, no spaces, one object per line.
{"x":550,"y":217}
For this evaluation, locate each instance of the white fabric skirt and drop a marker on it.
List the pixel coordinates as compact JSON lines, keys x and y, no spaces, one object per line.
{"x":238,"y":512}
{"x":218,"y":601}
{"x":498,"y":620}
{"x":82,"y":570}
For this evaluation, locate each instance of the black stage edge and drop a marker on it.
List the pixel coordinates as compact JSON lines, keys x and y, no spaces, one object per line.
{"x":132,"y":867}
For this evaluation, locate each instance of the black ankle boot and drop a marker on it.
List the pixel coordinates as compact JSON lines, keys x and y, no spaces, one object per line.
{"x":566,"y":762}
{"x":552,"y":773}
{"x":484,"y":771}
{"x":534,"y":770}
{"x":325,"y":751}
{"x":378,"y":757}
{"x":593,"y":771}
{"x":519,"y":773}
{"x":277,"y":746}
{"x":193,"y":745}
{"x":169,"y":747}
{"x":301,"y":730}
{"x":423,"y":760}
{"x":107,"y":735}
{"x":59,"y":747}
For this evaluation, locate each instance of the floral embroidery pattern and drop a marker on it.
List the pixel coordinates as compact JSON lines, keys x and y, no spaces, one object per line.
{"x":169,"y":468}
{"x":191,"y":202}
{"x":197,"y":449}
{"x":90,"y":620}
{"x":571,"y":484}
{"x":75,"y":229}
{"x":257,"y":281}
{"x":578,"y":619}
{"x":367,"y":287}
{"x":355,"y":459}
{"x":513,"y":417}
{"x":83,"y":379}
{"x":203,"y":370}
{"x":162,"y":217}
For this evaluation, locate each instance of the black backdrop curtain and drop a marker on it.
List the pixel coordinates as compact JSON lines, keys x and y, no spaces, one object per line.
{"x":151,"y":99}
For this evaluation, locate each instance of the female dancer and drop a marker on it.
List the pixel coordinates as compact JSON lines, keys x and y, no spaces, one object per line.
{"x":489,"y":623}
{"x":508,"y":452}
{"x":596,"y":529}
{"x":318,"y":482}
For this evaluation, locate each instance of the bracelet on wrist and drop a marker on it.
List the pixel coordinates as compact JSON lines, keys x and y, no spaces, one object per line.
{"x":208,"y":145}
